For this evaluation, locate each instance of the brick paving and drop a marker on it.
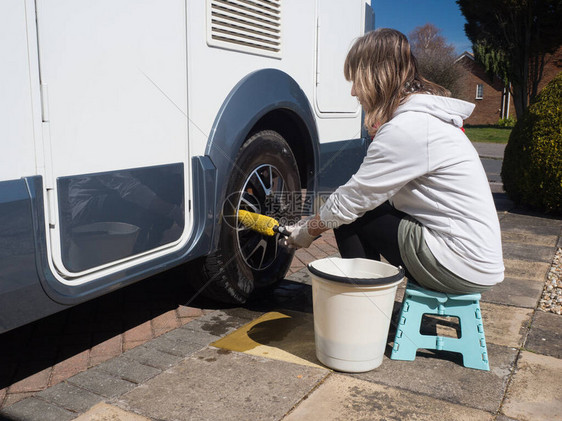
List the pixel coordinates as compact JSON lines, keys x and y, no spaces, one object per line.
{"x":49,"y":351}
{"x":70,"y":366}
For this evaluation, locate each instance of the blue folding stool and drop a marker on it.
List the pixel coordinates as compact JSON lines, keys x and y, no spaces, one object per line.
{"x":417,"y":302}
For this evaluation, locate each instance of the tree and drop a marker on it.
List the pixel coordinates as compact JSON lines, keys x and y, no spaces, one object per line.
{"x":436,"y":58}
{"x":511,"y":38}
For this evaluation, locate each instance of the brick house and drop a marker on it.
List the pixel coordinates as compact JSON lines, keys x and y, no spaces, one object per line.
{"x":552,"y":67}
{"x":491,"y":97}
{"x":493,"y":101}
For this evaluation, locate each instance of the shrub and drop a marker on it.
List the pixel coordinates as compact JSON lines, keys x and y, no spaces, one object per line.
{"x":506,"y":122}
{"x":532,"y":166}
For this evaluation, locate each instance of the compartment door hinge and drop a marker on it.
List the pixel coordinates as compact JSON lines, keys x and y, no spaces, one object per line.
{"x":44,"y":103}
{"x":317,"y":51}
{"x":46,"y":134}
{"x":51,"y":207}
{"x":47,"y":156}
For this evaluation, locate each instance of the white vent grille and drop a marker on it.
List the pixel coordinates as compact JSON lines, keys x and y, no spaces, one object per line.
{"x":252,"y":26}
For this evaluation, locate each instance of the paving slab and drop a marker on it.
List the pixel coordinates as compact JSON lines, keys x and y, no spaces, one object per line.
{"x":529,"y":238}
{"x":33,"y":409}
{"x":149,"y":356}
{"x":128,"y":369}
{"x":522,"y":269}
{"x":180,"y":342}
{"x":286,"y":336}
{"x":545,"y":336}
{"x":191,"y":333}
{"x":243,"y":313}
{"x":522,"y":223}
{"x":216,"y":324}
{"x":504,"y":325}
{"x":106,"y":412}
{"x":302,"y":276}
{"x":345,"y":398}
{"x":515,"y":292}
{"x":217,"y":384}
{"x":101,"y":383}
{"x":528,"y":252}
{"x":535,"y":390}
{"x":441,"y":375}
{"x":70,"y":397}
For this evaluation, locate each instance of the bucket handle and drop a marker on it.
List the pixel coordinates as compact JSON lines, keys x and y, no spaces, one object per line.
{"x":359,"y":281}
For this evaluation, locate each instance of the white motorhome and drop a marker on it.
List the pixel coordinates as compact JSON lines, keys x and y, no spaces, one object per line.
{"x":131,"y":129}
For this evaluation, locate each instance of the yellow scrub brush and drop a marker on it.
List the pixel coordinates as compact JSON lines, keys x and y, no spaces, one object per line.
{"x":260,"y":223}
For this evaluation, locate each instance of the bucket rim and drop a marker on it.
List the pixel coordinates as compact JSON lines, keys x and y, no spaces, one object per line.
{"x":386,"y":280}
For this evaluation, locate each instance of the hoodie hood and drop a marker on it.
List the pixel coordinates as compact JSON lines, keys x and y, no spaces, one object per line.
{"x":450,"y":110}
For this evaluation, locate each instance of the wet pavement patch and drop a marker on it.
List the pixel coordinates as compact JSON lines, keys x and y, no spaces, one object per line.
{"x":217,"y":325}
{"x":285,"y":336}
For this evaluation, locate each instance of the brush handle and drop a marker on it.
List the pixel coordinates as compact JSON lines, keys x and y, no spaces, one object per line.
{"x":281,"y":230}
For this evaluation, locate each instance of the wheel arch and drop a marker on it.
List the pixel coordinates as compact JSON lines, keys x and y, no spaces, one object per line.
{"x":266,"y":99}
{"x":291,"y":127}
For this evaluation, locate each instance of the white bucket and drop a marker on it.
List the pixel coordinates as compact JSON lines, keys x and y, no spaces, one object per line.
{"x":353,"y":301}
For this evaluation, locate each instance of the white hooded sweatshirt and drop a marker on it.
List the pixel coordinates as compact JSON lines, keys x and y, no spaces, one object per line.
{"x":422,"y":162}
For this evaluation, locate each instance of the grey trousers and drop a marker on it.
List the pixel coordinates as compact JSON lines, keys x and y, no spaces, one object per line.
{"x":424,"y":267}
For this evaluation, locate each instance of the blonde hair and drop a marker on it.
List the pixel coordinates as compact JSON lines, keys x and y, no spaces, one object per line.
{"x":384,"y":73}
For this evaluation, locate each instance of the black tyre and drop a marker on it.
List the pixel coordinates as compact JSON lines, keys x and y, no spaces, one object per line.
{"x":264,"y":180}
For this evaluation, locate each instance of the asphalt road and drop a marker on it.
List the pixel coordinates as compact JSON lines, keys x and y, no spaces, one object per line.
{"x":493,"y":168}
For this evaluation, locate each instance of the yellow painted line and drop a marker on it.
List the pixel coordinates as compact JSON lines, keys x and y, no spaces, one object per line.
{"x":287,"y":336}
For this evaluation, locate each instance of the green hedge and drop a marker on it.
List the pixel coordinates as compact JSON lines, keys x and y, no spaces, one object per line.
{"x":506,"y":122}
{"x":532,"y":165}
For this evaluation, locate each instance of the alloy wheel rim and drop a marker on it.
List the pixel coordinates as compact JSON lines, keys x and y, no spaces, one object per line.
{"x":263,"y":192}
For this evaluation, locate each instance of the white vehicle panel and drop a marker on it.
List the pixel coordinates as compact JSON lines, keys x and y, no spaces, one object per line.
{"x":114,"y":90}
{"x":223,"y":69}
{"x":106,"y":105}
{"x":114,"y":97}
{"x":17,"y":142}
{"x":333,"y":92}
{"x":116,"y":87}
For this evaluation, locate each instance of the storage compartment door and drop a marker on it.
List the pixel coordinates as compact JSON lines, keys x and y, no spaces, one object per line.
{"x":113,"y":77}
{"x":339,"y":24}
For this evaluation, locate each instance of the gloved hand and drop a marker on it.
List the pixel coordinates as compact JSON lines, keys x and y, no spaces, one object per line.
{"x":300,"y":237}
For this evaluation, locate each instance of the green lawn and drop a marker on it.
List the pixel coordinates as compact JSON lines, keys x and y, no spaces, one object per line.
{"x":488,"y":134}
